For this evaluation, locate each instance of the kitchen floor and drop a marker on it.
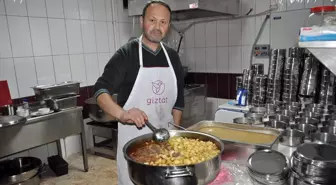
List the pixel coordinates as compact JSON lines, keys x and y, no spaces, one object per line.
{"x":102,"y":171}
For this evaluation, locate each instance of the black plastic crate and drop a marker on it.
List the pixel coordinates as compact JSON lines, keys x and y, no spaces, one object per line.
{"x":58,"y":165}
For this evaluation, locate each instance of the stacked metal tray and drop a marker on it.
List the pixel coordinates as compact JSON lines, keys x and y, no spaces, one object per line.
{"x":291,"y":76}
{"x":259,"y":90}
{"x":327,"y":88}
{"x":275,"y":75}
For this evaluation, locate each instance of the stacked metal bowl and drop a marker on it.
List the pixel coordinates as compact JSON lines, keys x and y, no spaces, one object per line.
{"x":259,"y":90}
{"x":309,"y":76}
{"x":268,"y":167}
{"x":257,"y":68}
{"x":291,"y":76}
{"x":275,"y":75}
{"x":313,"y":163}
{"x":327,"y":88}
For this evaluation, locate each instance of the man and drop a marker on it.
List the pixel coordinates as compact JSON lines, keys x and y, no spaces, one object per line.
{"x":148,"y":77}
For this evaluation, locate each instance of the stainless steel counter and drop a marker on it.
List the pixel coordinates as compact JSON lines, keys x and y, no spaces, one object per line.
{"x":42,"y":130}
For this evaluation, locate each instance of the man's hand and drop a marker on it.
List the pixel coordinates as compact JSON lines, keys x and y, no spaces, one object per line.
{"x":134,"y":116}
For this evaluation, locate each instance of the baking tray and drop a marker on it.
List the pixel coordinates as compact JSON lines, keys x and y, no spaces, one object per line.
{"x":248,"y":128}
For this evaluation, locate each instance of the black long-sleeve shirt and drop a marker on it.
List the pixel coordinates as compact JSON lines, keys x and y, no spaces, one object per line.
{"x":121,"y":71}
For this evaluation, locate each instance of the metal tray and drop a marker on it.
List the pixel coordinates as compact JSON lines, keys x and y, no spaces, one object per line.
{"x":248,"y":128}
{"x":44,"y":92}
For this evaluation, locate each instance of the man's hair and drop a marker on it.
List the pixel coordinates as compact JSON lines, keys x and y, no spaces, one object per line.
{"x":156,"y":2}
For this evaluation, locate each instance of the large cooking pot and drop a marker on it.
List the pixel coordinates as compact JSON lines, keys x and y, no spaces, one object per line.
{"x":21,"y":170}
{"x":201,"y":173}
{"x":96,"y":113}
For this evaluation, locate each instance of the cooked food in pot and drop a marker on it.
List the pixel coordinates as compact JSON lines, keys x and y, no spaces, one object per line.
{"x":178,"y":151}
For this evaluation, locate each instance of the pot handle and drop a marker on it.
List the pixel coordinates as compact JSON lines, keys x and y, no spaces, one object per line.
{"x":179,"y":173}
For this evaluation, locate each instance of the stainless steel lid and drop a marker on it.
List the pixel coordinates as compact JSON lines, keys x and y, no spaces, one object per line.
{"x":11,"y":120}
{"x":268,"y":162}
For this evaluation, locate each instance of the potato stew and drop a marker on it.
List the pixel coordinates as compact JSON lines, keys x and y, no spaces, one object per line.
{"x":178,"y":151}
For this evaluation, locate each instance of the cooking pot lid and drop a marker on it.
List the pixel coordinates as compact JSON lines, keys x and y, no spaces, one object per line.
{"x":267,"y":162}
{"x":317,"y":152}
{"x":11,"y":120}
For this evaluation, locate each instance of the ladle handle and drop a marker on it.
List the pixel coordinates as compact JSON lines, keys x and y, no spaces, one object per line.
{"x":150,"y":126}
{"x":177,"y":126}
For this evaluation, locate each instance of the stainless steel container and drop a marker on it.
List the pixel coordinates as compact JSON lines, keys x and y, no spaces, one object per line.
{"x":62,"y":103}
{"x":331,"y":130}
{"x":307,"y":120}
{"x":201,"y":173}
{"x":257,"y":118}
{"x":292,"y":137}
{"x":322,"y":137}
{"x":67,"y":88}
{"x":307,"y":129}
{"x":268,"y":167}
{"x":314,"y":163}
{"x":243,"y":120}
{"x":276,"y":124}
{"x":258,"y":110}
{"x":21,"y":170}
{"x":331,"y":123}
{"x":279,"y":117}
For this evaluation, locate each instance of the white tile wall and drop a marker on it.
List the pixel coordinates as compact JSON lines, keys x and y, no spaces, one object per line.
{"x":71,"y":9}
{"x":62,"y":68}
{"x":55,"y":8}
{"x":16,"y":7}
{"x":92,"y":68}
{"x":26,"y":75}
{"x":45,"y":70}
{"x":36,"y":8}
{"x":2,"y":8}
{"x":58,"y":37}
{"x":234,"y":38}
{"x":74,"y":35}
{"x":5,"y":47}
{"x":40,"y":36}
{"x":20,"y":36}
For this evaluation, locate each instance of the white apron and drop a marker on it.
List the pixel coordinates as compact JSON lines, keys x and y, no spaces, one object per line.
{"x":155,"y":93}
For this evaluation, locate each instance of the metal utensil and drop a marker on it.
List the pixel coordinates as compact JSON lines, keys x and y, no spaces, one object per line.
{"x":177,"y":126}
{"x":160,"y":135}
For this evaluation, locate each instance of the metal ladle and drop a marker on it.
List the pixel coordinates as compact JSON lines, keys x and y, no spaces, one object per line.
{"x":160,"y":135}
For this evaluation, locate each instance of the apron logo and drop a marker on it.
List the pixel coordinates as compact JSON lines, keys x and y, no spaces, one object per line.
{"x":158,"y":87}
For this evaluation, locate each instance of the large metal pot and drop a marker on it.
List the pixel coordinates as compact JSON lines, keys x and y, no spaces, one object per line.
{"x":201,"y":173}
{"x":96,"y":113}
{"x":21,"y":170}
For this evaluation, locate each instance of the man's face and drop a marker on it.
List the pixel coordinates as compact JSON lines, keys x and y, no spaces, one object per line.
{"x":156,"y":22}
